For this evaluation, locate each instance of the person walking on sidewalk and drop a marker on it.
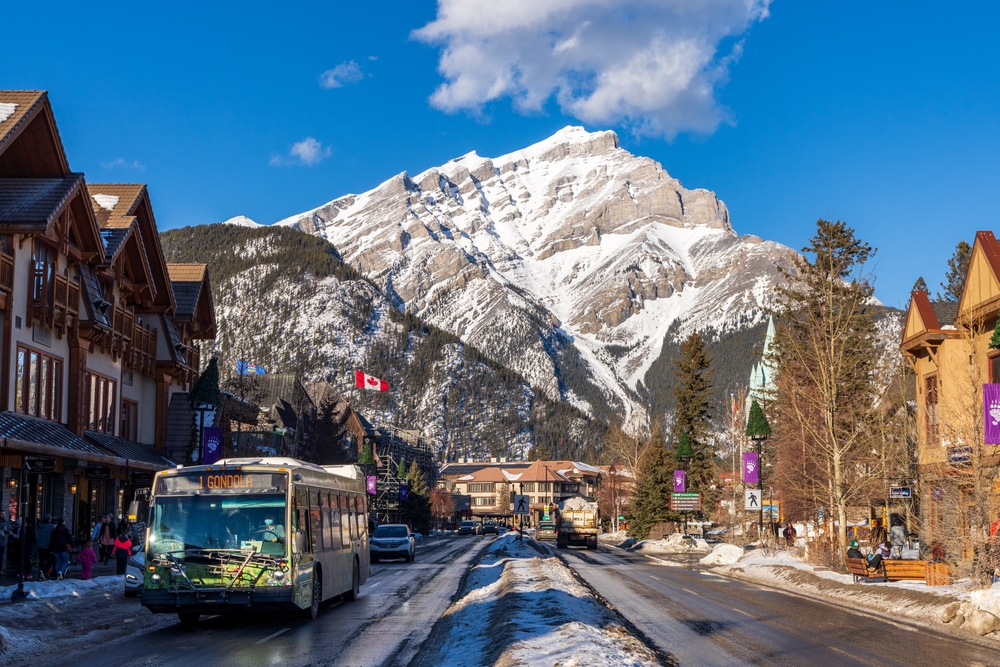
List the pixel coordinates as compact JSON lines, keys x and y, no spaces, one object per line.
{"x":106,"y":537}
{"x":87,"y":559}
{"x":44,"y":535}
{"x":121,"y":552}
{"x":61,"y":544}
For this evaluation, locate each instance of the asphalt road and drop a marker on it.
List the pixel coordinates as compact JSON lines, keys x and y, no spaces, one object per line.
{"x":399,"y":605}
{"x":705,"y":620}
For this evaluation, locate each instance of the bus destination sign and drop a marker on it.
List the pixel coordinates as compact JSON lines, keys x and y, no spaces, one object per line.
{"x":221,"y":481}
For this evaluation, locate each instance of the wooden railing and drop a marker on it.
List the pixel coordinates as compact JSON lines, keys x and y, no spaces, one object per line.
{"x":6,"y":272}
{"x":140,"y":349}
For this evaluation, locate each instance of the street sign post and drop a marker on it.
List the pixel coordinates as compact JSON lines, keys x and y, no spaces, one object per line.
{"x":685,"y":502}
{"x":899,"y":491}
{"x":753,"y":500}
{"x":521,"y":505}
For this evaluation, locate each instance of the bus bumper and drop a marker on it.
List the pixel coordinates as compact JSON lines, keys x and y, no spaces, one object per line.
{"x":218,"y":600}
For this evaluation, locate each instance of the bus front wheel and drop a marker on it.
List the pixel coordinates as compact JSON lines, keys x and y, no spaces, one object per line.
{"x":355,"y":591}
{"x":317,"y":596}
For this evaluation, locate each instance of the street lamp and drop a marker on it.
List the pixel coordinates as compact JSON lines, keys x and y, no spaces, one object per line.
{"x":19,"y":593}
{"x":758,"y":430}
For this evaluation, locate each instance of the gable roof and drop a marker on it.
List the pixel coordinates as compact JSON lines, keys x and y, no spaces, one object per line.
{"x":981,"y":291}
{"x":193,"y":298}
{"x":33,"y":203}
{"x":29,"y":140}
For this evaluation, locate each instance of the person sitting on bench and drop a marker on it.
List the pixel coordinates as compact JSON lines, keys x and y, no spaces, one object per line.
{"x":853,"y":551}
{"x":875,"y":559}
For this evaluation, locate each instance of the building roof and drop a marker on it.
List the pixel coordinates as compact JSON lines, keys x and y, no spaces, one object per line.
{"x":130,"y":450}
{"x":944,"y":311}
{"x":187,"y":272}
{"x":35,"y":201}
{"x":469,"y":468}
{"x":15,"y":106}
{"x":44,"y":432}
{"x":93,"y":296}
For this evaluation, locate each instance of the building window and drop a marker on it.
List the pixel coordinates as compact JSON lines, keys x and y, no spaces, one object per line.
{"x":99,"y":402}
{"x":528,"y":487}
{"x":931,"y":408}
{"x":481,"y":488}
{"x":44,"y":259}
{"x":129,"y":428}
{"x":479,"y":501}
{"x":995,"y":368}
{"x":38,"y":387}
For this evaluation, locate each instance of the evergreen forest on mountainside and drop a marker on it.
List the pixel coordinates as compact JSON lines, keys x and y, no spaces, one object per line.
{"x":285,"y":300}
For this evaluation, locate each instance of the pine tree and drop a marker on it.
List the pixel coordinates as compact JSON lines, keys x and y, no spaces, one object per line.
{"x":693,"y":418}
{"x":401,"y":470}
{"x":418,"y":484}
{"x":650,"y":499}
{"x":367,"y":458}
{"x":920,"y":285}
{"x":206,"y":387}
{"x":958,"y":267}
{"x":757,"y":426}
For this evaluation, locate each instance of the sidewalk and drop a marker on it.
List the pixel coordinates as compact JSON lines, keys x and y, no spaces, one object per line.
{"x":7,"y":577}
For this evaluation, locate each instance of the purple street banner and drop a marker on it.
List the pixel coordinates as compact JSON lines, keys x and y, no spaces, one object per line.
{"x":991,"y":414}
{"x":370,"y":485}
{"x":751,"y":468}
{"x":404,"y":493}
{"x":680,"y":481}
{"x":211,"y":445}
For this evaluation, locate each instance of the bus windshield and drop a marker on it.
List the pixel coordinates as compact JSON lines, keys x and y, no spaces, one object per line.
{"x":185,"y":524}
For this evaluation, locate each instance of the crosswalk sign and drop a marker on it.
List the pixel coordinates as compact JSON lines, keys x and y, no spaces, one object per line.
{"x":521,"y":505}
{"x":753,"y":499}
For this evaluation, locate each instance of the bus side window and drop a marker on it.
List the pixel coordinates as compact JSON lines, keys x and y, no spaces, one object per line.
{"x":350,"y":516}
{"x":331,"y":513}
{"x":316,"y":521}
{"x":359,"y":515}
{"x":345,"y":528}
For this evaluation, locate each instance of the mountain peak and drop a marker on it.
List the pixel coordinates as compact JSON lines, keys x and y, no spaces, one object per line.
{"x":241,"y":221}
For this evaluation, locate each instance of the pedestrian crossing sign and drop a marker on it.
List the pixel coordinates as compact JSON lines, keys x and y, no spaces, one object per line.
{"x":753,"y":499}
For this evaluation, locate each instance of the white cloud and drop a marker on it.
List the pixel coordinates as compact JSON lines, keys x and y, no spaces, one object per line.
{"x":120,"y":162}
{"x":309,"y":152}
{"x":654,"y":65}
{"x":344,"y":74}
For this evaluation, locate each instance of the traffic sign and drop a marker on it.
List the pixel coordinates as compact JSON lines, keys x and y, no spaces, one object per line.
{"x":899,"y":492}
{"x":521,"y":505}
{"x":753,"y":499}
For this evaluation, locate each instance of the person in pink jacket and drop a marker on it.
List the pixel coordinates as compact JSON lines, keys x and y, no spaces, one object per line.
{"x":87,"y":559}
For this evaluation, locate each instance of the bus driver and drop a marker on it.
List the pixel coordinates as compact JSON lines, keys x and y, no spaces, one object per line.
{"x":272,"y":532}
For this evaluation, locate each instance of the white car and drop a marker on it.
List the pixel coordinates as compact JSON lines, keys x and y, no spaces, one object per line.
{"x":134,"y":574}
{"x":392,"y":540}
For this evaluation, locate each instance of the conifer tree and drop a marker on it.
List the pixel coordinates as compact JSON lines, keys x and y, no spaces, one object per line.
{"x":206,"y":387}
{"x":958,"y":266}
{"x":367,"y":457}
{"x":416,"y":509}
{"x":920,"y":285}
{"x":401,"y":470}
{"x":415,"y":476}
{"x":693,"y":418}
{"x":650,"y":499}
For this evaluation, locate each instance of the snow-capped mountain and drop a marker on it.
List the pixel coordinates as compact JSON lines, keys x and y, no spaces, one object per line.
{"x":567,"y":261}
{"x":241,"y":221}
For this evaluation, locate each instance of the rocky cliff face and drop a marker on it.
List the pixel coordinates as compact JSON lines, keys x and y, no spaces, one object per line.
{"x":567,"y":261}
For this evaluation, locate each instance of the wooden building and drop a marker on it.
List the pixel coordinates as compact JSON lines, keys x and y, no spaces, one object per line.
{"x":93,"y":341}
{"x":947,"y":346}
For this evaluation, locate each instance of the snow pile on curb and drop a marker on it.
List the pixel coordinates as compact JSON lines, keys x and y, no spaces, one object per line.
{"x":673,"y":544}
{"x":723,"y":554}
{"x":520,"y":606}
{"x":38,"y":590}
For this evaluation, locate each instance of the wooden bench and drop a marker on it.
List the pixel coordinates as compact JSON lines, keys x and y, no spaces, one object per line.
{"x":905,"y":570}
{"x":859,"y":568}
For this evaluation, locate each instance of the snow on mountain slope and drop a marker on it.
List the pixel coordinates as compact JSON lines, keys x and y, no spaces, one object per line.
{"x":571,"y":252}
{"x":242,"y":221}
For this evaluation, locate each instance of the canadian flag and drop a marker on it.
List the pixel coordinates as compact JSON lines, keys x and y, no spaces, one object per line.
{"x":362,"y":381}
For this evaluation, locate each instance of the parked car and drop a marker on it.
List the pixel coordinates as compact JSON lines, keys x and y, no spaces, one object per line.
{"x":392,"y":540}
{"x":490,"y":528}
{"x":134,"y":574}
{"x":546,"y":531}
{"x":470,"y":528}
{"x":502,"y":529}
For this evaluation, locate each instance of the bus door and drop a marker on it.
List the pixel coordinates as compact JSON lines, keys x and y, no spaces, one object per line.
{"x":302,"y":546}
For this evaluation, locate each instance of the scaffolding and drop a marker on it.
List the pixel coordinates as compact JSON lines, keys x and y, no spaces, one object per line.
{"x":393,"y":445}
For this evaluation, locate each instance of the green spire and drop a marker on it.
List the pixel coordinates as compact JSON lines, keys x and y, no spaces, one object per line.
{"x":684,"y":449}
{"x":401,"y":470}
{"x":757,"y":426}
{"x":366,"y":458}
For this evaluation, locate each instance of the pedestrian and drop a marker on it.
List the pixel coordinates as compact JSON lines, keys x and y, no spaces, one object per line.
{"x":44,"y":534}
{"x":106,"y":537}
{"x":4,"y":537}
{"x":87,"y":559}
{"x":121,"y":552}
{"x":60,"y":545}
{"x":897,"y":536}
{"x":789,"y":534}
{"x":878,"y":532}
{"x":853,"y":551}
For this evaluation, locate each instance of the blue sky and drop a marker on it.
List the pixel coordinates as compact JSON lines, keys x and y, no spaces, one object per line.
{"x":885,"y":118}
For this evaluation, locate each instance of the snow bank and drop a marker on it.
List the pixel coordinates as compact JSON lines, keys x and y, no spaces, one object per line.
{"x":38,"y":590}
{"x":723,"y":554}
{"x":673,"y":544}
{"x":521,"y":606}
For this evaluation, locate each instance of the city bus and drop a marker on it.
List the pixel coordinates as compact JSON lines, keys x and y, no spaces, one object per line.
{"x":254,"y":533}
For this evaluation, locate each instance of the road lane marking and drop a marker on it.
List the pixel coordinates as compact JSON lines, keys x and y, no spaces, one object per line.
{"x":375,"y":584}
{"x":740,"y":611}
{"x":270,"y":637}
{"x":655,"y":577}
{"x":691,"y":592}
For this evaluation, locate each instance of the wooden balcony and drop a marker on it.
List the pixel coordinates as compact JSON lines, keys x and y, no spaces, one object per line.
{"x":54,"y":299}
{"x":133,"y":343}
{"x":6,"y":272}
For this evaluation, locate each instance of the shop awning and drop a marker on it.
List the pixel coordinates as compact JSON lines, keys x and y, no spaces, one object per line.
{"x":136,"y":454}
{"x":31,"y":435}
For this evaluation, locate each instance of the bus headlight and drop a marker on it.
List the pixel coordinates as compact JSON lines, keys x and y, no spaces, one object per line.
{"x":278,"y":575}
{"x":155,"y":578}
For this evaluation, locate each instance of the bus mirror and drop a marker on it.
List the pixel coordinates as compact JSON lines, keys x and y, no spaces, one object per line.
{"x":133,"y":511}
{"x":300,"y":541}
{"x":297,"y":477}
